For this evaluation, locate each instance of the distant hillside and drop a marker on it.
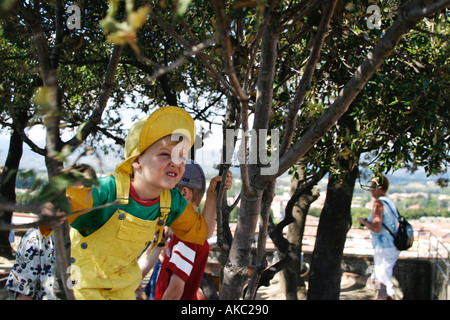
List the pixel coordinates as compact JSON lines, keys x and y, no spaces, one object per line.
{"x":401,"y":180}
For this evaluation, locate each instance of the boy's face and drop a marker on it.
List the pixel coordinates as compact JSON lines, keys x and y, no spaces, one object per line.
{"x":161,"y":166}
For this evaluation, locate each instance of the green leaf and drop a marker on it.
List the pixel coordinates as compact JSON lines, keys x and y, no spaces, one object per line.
{"x":182,"y":6}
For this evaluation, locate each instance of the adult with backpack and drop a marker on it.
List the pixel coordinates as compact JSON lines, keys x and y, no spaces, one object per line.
{"x":383,"y":221}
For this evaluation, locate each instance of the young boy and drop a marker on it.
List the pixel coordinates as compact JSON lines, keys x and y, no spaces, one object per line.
{"x":184,"y":263}
{"x":107,"y":242}
{"x":180,"y":278}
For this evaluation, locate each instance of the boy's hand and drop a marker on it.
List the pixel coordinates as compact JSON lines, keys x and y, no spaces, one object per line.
{"x":212,"y":189}
{"x":209,"y":210}
{"x":47,"y":210}
{"x":166,"y":235}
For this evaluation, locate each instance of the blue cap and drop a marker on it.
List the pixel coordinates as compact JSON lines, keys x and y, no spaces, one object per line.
{"x":193,"y":177}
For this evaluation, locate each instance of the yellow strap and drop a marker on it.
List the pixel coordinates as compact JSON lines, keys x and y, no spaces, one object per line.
{"x":122,"y":187}
{"x":164,"y":205}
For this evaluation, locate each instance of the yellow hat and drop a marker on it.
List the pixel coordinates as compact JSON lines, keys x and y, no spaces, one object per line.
{"x":163,"y":122}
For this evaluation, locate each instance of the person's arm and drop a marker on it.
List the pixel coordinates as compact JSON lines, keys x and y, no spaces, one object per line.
{"x":210,"y":208}
{"x":175,"y":288}
{"x":79,"y":197}
{"x":377,"y":218}
{"x":146,"y":262}
{"x":193,"y":227}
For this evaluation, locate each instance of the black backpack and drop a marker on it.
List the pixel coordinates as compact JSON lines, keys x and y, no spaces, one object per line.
{"x":404,"y":238}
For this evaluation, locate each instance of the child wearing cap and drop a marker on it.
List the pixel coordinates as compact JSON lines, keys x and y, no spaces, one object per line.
{"x":184,"y":262}
{"x":105,"y":243}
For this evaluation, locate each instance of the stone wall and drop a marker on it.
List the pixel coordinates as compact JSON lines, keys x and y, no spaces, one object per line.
{"x":412,"y":276}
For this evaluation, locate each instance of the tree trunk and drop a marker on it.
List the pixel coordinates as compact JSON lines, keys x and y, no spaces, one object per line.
{"x":8,"y":187}
{"x":293,"y":282}
{"x":259,"y":270}
{"x":335,"y":221}
{"x":236,"y":270}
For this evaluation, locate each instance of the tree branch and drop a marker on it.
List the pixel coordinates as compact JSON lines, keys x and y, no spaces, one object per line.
{"x":224,"y":36}
{"x":194,"y":50}
{"x":375,"y":59}
{"x":261,"y":261}
{"x":227,"y":52}
{"x":108,"y":134}
{"x":59,"y":33}
{"x":301,"y":15}
{"x":264,"y":86}
{"x":102,"y":100}
{"x":434,"y":34}
{"x":38,"y":38}
{"x":416,"y":12}
{"x":21,"y":131}
{"x":203,"y":57}
{"x":305,"y":82}
{"x":255,"y":45}
{"x":43,"y":220}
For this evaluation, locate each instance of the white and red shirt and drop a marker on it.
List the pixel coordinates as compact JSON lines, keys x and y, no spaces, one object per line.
{"x":186,"y":260}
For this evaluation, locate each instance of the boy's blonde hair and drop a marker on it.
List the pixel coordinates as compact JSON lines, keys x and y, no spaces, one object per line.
{"x":175,"y":139}
{"x":197,"y":194}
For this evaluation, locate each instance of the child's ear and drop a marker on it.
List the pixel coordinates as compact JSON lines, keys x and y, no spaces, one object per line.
{"x":187,"y":193}
{"x":136,"y":164}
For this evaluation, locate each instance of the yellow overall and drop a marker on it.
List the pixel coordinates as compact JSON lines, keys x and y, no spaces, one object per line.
{"x":104,"y":264}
